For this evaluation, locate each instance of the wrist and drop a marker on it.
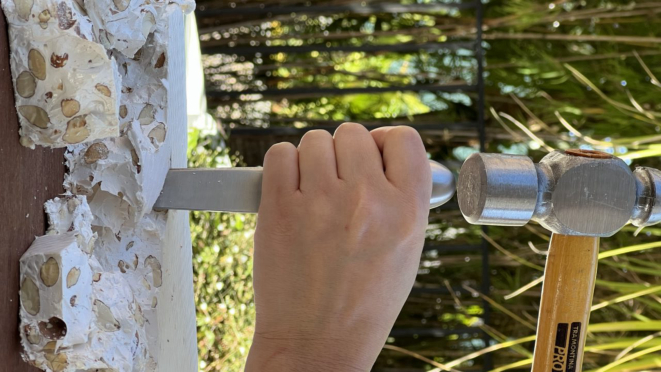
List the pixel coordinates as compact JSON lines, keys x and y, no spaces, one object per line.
{"x":301,"y":353}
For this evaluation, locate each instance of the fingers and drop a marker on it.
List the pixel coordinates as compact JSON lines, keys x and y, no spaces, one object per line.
{"x":404,"y":157}
{"x":316,"y":160}
{"x":379,"y":136}
{"x":280,"y":171}
{"x":357,"y":155}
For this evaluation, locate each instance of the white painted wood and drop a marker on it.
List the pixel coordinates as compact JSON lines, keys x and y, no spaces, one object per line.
{"x":176,"y":302}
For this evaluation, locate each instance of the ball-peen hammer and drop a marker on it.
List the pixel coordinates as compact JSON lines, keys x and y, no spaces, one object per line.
{"x":580,"y":196}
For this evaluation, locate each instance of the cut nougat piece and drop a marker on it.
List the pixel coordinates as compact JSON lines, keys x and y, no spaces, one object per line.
{"x":66,"y":86}
{"x":132,"y":166}
{"x":56,"y":293}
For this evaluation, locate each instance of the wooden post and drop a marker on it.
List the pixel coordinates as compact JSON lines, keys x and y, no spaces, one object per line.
{"x":176,"y":303}
{"x":29,"y":178}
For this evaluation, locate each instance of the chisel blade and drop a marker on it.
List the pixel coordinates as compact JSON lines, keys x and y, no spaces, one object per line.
{"x":240,"y":189}
{"x":220,"y":190}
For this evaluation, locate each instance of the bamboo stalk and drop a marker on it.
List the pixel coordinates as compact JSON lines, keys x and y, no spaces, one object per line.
{"x":564,"y":37}
{"x":594,"y":57}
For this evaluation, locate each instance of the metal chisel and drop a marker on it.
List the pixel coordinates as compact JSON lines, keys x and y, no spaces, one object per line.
{"x":240,"y":189}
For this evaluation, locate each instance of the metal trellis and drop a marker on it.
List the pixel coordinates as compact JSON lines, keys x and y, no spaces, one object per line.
{"x":248,"y":138}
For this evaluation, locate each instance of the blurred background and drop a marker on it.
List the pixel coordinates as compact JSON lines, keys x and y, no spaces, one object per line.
{"x":508,"y":76}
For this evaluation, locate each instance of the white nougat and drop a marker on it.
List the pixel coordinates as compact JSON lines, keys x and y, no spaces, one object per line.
{"x":61,"y":309}
{"x":103,"y":232}
{"x":66,"y":84}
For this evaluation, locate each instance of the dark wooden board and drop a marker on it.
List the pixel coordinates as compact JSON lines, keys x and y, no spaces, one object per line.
{"x":27,"y":179}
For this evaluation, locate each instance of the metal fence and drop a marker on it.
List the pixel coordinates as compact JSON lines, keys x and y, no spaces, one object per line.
{"x":252,"y":140}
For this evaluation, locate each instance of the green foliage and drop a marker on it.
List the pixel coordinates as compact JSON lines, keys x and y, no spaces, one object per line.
{"x":222,"y":251}
{"x":550,"y":84}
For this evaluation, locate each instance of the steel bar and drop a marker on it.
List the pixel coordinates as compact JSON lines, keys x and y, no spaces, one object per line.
{"x":397,"y":48}
{"x":292,"y":131}
{"x":313,"y":92}
{"x":332,"y":9}
{"x":486,"y":270}
{"x":422,"y":121}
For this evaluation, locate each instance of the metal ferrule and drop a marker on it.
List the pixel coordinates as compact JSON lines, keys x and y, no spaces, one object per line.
{"x":545,"y":186}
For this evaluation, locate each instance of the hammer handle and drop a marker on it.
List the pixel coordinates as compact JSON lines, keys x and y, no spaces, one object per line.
{"x":564,"y":313}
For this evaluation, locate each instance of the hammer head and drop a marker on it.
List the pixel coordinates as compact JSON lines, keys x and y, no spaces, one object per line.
{"x":573,"y":192}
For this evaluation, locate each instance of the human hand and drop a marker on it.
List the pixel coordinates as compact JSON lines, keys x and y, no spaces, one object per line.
{"x":339,"y":235}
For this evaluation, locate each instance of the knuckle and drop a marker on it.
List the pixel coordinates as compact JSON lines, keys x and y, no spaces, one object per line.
{"x":279,"y":150}
{"x":407,"y":135}
{"x":350,"y":129}
{"x":316,"y":135}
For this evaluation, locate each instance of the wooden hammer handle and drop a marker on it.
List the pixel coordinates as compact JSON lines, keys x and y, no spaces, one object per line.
{"x":564,"y":313}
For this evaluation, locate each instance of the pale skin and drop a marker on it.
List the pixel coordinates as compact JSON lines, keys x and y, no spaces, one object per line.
{"x":339,"y":235}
